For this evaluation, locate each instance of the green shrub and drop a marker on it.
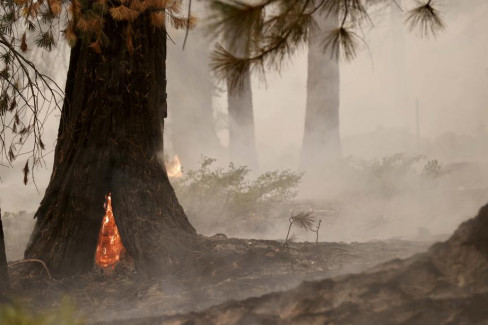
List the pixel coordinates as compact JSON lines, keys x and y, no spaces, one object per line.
{"x":16,"y":315}
{"x":395,"y":174}
{"x":219,"y":193}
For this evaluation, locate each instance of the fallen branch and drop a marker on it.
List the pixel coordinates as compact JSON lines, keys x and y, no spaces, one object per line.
{"x":33,"y":260}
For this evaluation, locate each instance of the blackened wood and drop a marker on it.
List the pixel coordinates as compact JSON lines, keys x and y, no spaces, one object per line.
{"x":110,"y":140}
{"x":4,"y":278}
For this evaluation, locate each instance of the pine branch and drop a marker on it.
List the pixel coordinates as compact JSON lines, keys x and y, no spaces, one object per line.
{"x":303,"y":220}
{"x":426,"y":19}
{"x":277,"y":44}
{"x":273,"y":30}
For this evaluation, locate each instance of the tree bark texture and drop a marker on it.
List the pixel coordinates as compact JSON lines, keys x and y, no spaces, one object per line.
{"x":321,"y":140}
{"x":4,"y":278}
{"x":109,"y":139}
{"x":242,"y":138}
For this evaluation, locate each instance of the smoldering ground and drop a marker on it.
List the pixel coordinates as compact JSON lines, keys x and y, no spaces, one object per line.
{"x":354,"y":202}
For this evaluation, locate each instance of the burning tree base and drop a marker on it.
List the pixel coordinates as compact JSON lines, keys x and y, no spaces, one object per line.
{"x":109,"y":140}
{"x":448,"y":284}
{"x":111,"y":253}
{"x":124,"y":267}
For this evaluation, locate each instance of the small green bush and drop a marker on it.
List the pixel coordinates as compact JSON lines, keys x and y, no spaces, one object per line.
{"x":219,"y":193}
{"x":396,"y":174}
{"x":16,"y":315}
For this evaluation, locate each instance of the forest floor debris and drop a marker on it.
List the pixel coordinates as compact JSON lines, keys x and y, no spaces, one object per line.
{"x":448,"y":284}
{"x":223,"y":269}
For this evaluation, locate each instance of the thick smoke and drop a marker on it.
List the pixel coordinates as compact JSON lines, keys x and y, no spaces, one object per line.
{"x":447,"y":76}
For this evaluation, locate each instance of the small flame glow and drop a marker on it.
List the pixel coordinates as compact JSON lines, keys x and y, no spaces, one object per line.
{"x":109,"y":247}
{"x":173,"y":168}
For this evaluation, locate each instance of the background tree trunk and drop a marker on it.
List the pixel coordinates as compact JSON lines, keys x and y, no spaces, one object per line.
{"x":109,"y":139}
{"x":242,"y":138}
{"x":321,"y":140}
{"x":191,"y":122}
{"x":4,"y":278}
{"x":400,"y":101}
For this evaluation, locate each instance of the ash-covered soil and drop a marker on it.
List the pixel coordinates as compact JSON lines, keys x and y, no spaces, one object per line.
{"x":221,"y":270}
{"x":448,"y":284}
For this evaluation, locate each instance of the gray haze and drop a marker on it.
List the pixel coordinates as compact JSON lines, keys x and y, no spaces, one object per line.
{"x":448,"y":76}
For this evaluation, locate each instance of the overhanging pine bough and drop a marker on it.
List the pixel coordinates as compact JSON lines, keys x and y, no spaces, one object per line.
{"x":277,"y":28}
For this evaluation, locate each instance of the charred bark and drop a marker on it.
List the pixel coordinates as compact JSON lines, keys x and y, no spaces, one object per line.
{"x":321,"y":140}
{"x":4,"y":278}
{"x":109,"y":139}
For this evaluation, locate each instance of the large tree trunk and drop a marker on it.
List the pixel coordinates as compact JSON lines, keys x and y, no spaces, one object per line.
{"x":109,"y":139}
{"x":321,"y":140}
{"x":192,"y":123}
{"x":242,"y":138}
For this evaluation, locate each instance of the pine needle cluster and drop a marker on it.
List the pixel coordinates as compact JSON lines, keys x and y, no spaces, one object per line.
{"x":426,"y":19}
{"x":273,"y":30}
{"x":303,"y":220}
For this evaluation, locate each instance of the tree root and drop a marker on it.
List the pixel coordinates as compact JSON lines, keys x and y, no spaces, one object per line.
{"x":33,"y":260}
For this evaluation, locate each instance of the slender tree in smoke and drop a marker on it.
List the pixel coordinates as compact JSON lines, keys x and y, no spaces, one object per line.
{"x":242,"y":141}
{"x":400,"y":101}
{"x":321,"y":139}
{"x":284,"y":27}
{"x":238,"y":37}
{"x":192,"y":124}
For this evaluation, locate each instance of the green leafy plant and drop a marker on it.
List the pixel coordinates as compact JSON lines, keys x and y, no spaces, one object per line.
{"x":396,"y":173}
{"x":394,"y":165}
{"x":14,"y":314}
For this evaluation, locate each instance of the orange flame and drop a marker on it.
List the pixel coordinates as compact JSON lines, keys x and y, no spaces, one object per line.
{"x":173,"y":168}
{"x":109,"y":247}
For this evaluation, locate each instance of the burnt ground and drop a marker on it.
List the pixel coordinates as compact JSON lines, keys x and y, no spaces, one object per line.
{"x":222,"y":270}
{"x":448,"y":284}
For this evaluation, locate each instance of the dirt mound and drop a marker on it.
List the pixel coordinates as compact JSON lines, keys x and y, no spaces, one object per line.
{"x":446,"y":285}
